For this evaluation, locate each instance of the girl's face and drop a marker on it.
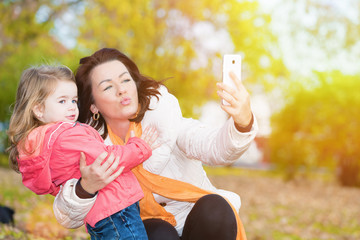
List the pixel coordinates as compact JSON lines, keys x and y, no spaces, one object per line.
{"x":114,"y":91}
{"x":60,"y":105}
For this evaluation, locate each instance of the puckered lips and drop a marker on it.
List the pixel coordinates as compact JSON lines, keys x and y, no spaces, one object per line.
{"x":125,"y":101}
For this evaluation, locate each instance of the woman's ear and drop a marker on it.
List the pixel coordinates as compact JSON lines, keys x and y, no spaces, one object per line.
{"x":94,"y":109}
{"x":38,"y":111}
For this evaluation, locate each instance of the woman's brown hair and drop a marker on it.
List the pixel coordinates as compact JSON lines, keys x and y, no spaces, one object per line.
{"x":146,"y":87}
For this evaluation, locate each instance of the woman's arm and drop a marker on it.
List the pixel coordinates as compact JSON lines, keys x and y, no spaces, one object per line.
{"x":225,"y":145}
{"x":198,"y":141}
{"x":96,"y":176}
{"x":214,"y":146}
{"x":70,"y":210}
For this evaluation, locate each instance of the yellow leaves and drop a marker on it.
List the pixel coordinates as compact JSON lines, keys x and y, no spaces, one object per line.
{"x":319,"y":126}
{"x":166,"y":39}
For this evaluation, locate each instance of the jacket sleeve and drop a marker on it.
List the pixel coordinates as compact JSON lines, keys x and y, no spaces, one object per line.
{"x":165,"y":115}
{"x":132,"y":154}
{"x":214,"y":146}
{"x":69,"y":209}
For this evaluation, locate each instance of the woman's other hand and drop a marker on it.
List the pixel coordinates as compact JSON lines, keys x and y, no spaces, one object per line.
{"x":100,"y":173}
{"x":239,"y":100}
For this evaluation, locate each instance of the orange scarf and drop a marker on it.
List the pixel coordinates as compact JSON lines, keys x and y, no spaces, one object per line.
{"x":167,"y":187}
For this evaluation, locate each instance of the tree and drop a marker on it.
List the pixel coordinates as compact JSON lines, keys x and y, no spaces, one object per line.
{"x":175,"y":39}
{"x":320,"y":127}
{"x":26,"y":39}
{"x":318,"y":35}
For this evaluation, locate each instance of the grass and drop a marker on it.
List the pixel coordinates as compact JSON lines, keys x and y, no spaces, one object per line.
{"x":310,"y":207}
{"x":34,"y":218}
{"x":4,"y":160}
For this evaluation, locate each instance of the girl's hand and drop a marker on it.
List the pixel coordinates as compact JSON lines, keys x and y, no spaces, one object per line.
{"x":150,"y":135}
{"x":239,"y":100}
{"x":97,"y":175}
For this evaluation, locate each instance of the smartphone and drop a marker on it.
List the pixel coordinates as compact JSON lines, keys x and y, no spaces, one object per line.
{"x":231,"y":62}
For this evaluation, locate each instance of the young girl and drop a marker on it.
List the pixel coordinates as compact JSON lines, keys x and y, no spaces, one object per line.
{"x":46,"y":142}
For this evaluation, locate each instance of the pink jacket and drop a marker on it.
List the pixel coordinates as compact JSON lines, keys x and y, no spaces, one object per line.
{"x":52,"y":158}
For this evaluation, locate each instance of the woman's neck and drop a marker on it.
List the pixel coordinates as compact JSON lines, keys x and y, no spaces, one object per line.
{"x":120,"y":128}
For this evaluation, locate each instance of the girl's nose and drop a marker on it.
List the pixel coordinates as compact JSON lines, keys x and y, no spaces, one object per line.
{"x":73,"y":106}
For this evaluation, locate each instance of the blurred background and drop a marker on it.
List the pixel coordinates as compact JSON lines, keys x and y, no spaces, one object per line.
{"x":300,"y":62}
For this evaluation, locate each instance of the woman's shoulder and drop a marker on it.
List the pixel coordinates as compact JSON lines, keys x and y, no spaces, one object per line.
{"x":164,"y":110}
{"x":163,"y":98}
{"x":163,"y":89}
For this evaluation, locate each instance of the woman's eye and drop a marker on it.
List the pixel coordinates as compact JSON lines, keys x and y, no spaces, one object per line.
{"x":108,"y":87}
{"x":126,"y":80}
{"x":74,"y":101}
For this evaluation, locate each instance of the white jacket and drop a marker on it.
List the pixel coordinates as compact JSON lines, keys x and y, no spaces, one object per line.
{"x":186,"y":144}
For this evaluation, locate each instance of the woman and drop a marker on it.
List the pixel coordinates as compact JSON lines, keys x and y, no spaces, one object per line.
{"x":111,"y":86}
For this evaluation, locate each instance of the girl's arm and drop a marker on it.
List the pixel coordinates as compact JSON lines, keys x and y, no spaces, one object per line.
{"x":85,"y":139}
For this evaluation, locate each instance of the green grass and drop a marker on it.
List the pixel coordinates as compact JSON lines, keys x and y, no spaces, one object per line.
{"x":233,"y":171}
{"x":285,"y":236}
{"x":327,"y":176}
{"x":7,"y":232}
{"x":350,"y":229}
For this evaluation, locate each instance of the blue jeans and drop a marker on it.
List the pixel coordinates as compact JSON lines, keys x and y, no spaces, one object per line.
{"x":125,"y":224}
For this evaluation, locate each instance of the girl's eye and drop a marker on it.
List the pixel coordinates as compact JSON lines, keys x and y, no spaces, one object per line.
{"x":62,"y":101}
{"x":74,"y":101}
{"x":127,"y":80}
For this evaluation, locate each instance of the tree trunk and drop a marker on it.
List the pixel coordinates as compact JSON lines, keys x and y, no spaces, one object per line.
{"x":348,"y":172}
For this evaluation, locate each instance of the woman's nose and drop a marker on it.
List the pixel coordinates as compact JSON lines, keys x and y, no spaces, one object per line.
{"x":121,"y":90}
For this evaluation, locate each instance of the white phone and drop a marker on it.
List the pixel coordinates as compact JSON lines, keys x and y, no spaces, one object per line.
{"x":231,"y":62}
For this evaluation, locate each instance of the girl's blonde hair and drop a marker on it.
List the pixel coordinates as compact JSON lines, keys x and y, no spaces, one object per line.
{"x":36,"y":84}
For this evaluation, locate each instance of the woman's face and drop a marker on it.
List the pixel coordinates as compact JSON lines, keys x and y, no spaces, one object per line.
{"x":114,"y":91}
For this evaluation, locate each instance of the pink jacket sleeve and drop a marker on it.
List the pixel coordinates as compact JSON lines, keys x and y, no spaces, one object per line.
{"x":70,"y":143}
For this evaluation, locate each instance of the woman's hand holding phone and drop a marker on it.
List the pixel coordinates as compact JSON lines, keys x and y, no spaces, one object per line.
{"x":236,"y":99}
